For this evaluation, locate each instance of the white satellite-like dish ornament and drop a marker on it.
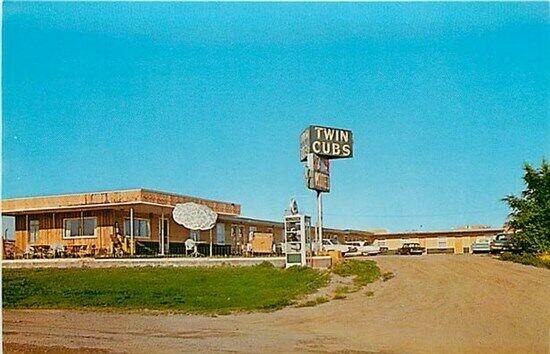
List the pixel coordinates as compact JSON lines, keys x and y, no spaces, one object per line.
{"x":194,"y":216}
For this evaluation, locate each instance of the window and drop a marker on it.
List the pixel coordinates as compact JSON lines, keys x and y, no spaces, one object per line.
{"x":34,"y":229}
{"x":79,"y":227}
{"x":142,"y":228}
{"x":381,"y":243}
{"x":442,"y":242}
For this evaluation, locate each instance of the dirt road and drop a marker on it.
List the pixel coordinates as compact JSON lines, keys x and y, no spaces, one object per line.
{"x":434,"y":304}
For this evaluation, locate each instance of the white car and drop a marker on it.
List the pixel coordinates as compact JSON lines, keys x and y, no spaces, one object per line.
{"x":482,"y":245}
{"x":335,"y":245}
{"x":364,"y":248}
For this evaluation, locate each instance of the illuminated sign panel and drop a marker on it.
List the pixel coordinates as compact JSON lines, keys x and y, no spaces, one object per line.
{"x":331,"y":143}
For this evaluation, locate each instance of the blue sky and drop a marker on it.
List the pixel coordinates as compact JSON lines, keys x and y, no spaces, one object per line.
{"x":446,"y":102}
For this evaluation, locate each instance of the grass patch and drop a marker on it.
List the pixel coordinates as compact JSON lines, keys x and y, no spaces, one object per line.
{"x":365,"y":272}
{"x":314,"y":302}
{"x":341,"y":291}
{"x":387,"y":276}
{"x":527,"y":259}
{"x":339,"y":296}
{"x":214,"y":290}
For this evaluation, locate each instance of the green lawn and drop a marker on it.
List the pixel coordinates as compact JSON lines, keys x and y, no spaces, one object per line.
{"x":191,"y":290}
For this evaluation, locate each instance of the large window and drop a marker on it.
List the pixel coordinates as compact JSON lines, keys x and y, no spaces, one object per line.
{"x":79,"y":227}
{"x":142,"y":228}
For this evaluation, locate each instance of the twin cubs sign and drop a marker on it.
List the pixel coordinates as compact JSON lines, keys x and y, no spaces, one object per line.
{"x":330,"y":143}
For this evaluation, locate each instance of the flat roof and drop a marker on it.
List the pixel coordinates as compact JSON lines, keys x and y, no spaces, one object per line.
{"x":106,"y":199}
{"x":409,"y":234}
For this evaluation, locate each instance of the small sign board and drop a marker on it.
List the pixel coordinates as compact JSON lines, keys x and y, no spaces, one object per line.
{"x":318,"y":181}
{"x":318,"y":173}
{"x":331,"y":143}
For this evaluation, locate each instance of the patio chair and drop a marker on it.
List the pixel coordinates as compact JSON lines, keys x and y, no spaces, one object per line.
{"x":44,"y":251}
{"x":29,"y":253}
{"x":93,"y":251}
{"x":83,"y":251}
{"x":57,"y":250}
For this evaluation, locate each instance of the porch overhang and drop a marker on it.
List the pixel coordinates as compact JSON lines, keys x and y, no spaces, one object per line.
{"x":109,"y":200}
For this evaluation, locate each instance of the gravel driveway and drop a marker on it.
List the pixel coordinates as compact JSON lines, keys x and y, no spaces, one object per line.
{"x":434,"y":304}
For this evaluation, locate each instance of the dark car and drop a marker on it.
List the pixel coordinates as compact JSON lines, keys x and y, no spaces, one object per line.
{"x":501,"y":243}
{"x":411,"y":248}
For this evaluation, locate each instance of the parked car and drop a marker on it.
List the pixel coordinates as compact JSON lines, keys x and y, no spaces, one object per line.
{"x":499,"y":244}
{"x":335,"y":245}
{"x":480,"y":246}
{"x":364,"y":248}
{"x":411,"y":248}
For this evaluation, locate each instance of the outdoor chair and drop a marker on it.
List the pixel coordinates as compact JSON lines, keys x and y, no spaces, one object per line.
{"x":57,"y":250}
{"x":29,"y":253}
{"x":83,"y":251}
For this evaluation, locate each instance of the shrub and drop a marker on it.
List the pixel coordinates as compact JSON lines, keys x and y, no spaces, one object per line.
{"x":527,"y":259}
{"x":387,"y":276}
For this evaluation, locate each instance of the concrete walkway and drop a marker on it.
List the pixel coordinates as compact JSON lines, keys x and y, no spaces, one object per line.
{"x":318,"y":262}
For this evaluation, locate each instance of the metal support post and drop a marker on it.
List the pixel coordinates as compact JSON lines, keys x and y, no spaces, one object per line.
{"x":210,"y":243}
{"x":320,"y":221}
{"x":131,"y":231}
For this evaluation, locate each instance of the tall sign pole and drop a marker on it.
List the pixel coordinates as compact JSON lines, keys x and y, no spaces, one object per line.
{"x":319,"y":145}
{"x":319,"y":220}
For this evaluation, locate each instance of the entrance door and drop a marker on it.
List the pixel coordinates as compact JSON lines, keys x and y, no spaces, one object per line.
{"x":164,"y":235}
{"x":458,"y":245}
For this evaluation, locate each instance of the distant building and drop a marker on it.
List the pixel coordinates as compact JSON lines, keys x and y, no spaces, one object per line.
{"x":445,"y":241}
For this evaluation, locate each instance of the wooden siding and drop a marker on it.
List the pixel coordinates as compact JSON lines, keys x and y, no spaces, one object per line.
{"x":51,"y":229}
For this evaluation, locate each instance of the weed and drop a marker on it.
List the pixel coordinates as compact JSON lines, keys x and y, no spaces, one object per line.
{"x":387,"y":276}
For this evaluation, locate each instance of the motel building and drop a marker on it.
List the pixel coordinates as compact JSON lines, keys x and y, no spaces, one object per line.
{"x":445,"y":241}
{"x":87,"y":224}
